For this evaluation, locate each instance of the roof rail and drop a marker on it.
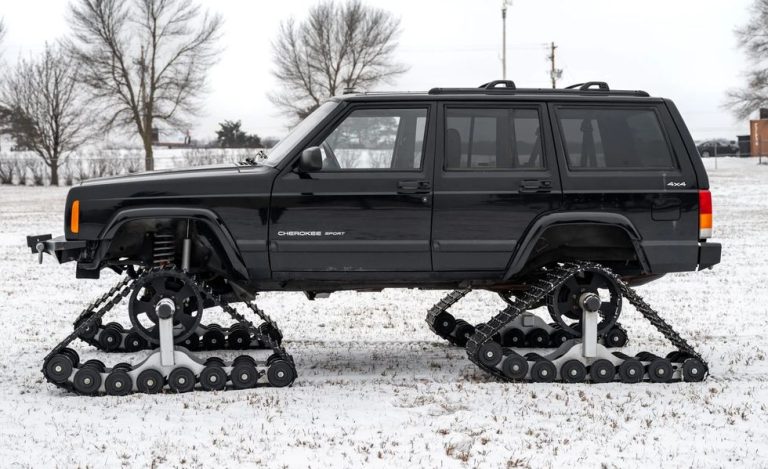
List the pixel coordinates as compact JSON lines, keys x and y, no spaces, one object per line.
{"x":508,"y":87}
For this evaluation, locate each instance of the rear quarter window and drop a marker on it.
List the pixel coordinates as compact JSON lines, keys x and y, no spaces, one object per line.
{"x":614,"y":139}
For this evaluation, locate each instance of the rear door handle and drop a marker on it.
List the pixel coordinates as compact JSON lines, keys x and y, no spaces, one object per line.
{"x":536,"y":185}
{"x":414,"y":187}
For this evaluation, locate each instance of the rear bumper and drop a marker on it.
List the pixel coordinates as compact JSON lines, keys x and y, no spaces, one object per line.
{"x":60,"y":248}
{"x":709,"y":255}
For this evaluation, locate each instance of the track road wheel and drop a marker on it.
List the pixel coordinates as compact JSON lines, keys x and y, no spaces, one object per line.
{"x":660,"y":370}
{"x":239,"y":338}
{"x":213,"y":378}
{"x":280,"y":373}
{"x":97,"y":365}
{"x":72,"y":355}
{"x":444,"y":323}
{"x":537,"y":337}
{"x":631,"y":371}
{"x":558,"y":338}
{"x":110,"y":338}
{"x":602,"y":371}
{"x":616,"y":337}
{"x":192,"y":342}
{"x":694,"y":370}
{"x":513,"y":338}
{"x":59,"y":367}
{"x":213,"y":339}
{"x":244,"y":375}
{"x":118,"y":383}
{"x":490,"y":354}
{"x":214,"y":361}
{"x":515,"y":367}
{"x":87,"y":380}
{"x":181,"y":379}
{"x":134,"y":342}
{"x":543,"y":371}
{"x":244,"y":359}
{"x":150,"y":381}
{"x":573,"y":371}
{"x":463,"y":332}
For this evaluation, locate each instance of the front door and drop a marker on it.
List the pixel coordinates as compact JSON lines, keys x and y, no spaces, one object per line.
{"x":369,"y":208}
{"x":497,"y":174}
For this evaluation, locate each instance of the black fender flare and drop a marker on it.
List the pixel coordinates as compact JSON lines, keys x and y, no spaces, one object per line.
{"x":208,"y":217}
{"x":541,"y":224}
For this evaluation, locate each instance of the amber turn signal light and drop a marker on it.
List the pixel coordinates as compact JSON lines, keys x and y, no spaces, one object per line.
{"x":74,"y":217}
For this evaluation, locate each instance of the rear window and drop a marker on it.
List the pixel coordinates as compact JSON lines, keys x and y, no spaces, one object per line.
{"x":614,"y":138}
{"x":492,"y":139}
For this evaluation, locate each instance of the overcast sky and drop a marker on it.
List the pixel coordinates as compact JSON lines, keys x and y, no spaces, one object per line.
{"x":680,"y":49}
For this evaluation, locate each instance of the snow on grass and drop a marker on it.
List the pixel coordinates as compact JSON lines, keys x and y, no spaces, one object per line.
{"x":376,"y":388}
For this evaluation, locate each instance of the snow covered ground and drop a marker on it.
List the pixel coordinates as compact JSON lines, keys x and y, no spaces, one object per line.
{"x":376,"y":388}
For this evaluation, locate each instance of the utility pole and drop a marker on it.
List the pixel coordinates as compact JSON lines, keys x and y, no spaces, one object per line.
{"x":554,"y":73}
{"x":504,"y":4}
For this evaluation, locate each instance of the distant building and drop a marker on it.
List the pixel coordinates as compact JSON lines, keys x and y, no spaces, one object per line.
{"x":758,"y":135}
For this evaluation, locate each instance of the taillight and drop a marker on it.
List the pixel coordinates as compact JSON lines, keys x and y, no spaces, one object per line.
{"x":74,"y":217}
{"x":705,"y":214}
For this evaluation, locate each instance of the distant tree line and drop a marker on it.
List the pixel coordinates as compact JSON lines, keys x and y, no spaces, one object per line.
{"x":134,"y":65}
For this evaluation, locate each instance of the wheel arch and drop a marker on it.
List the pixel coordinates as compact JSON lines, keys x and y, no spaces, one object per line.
{"x":212,"y":222}
{"x":608,"y":224}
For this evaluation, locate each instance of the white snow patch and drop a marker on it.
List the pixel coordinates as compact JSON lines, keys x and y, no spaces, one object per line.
{"x":375,"y":386}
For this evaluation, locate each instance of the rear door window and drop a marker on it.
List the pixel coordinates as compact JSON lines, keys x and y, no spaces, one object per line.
{"x":614,"y":139}
{"x":492,"y":139}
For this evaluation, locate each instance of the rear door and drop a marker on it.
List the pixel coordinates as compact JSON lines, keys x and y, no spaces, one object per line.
{"x":495,"y":173}
{"x":628,"y":158}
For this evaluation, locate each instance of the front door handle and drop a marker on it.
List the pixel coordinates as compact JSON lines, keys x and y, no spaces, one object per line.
{"x":414,"y":187}
{"x":536,"y":185}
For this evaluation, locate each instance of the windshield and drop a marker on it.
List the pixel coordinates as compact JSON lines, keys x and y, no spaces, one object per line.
{"x":298,"y":133}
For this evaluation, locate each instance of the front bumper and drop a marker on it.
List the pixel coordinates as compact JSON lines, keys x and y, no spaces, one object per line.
{"x":709,"y":255}
{"x":62,"y":249}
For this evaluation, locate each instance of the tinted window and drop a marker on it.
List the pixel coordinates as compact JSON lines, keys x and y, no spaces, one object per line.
{"x":492,"y":139}
{"x":376,"y":139}
{"x":614,"y":139}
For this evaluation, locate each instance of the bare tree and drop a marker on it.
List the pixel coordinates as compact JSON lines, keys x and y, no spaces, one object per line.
{"x":2,"y":30}
{"x":43,"y":103}
{"x":753,"y":39}
{"x":144,"y":61}
{"x":336,"y":47}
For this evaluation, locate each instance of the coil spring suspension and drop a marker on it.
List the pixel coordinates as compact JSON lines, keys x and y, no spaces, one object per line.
{"x":163,"y":249}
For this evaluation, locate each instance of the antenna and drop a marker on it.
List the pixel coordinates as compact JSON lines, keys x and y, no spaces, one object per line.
{"x":504,"y":4}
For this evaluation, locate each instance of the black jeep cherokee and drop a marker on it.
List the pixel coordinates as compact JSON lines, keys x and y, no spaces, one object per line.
{"x":497,"y":187}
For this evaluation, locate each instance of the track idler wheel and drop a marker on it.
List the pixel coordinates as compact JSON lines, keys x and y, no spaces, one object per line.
{"x":59,"y":368}
{"x":444,"y":324}
{"x":490,"y":354}
{"x":694,"y":370}
{"x":280,"y":373}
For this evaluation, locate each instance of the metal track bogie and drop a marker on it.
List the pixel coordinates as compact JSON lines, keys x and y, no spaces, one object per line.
{"x":173,"y":366}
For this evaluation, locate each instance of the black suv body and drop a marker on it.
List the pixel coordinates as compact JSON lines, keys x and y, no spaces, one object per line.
{"x":451,"y":188}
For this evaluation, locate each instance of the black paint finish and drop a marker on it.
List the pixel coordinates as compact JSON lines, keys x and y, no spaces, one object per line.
{"x":430,"y":227}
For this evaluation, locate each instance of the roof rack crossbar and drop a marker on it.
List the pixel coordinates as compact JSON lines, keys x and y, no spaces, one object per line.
{"x":508,"y":84}
{"x":590,"y":85}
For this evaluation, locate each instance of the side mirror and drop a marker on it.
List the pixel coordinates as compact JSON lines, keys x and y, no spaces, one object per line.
{"x":311,"y":160}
